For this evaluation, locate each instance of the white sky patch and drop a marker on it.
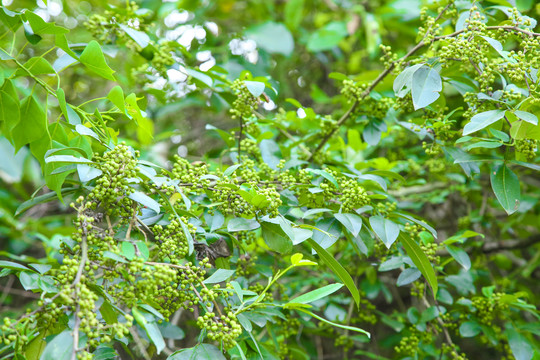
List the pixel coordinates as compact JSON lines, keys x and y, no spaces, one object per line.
{"x":301,"y":113}
{"x":176,"y":139}
{"x":187,"y":37}
{"x":175,"y":18}
{"x":200,"y":33}
{"x":159,"y":83}
{"x":246,"y":48}
{"x":182,"y":151}
{"x":207,"y":65}
{"x":176,"y":76}
{"x":204,"y":55}
{"x":270,"y":105}
{"x":7,"y":2}
{"x":212,"y":27}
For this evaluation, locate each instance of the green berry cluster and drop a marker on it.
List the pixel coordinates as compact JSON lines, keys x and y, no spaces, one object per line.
{"x":106,"y":28}
{"x":224,"y":328}
{"x":112,"y":188}
{"x":245,"y":265}
{"x":527,"y":147}
{"x":409,"y":343}
{"x":245,"y":103}
{"x":385,"y":208}
{"x":344,"y":341}
{"x":353,"y":195}
{"x":173,"y":244}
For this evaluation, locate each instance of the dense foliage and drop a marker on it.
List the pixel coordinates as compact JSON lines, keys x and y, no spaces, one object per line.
{"x":279,"y":180}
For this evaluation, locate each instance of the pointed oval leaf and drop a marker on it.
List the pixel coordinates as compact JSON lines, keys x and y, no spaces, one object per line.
{"x":421,"y":261}
{"x":316,"y":294}
{"x":145,"y":200}
{"x":352,"y":222}
{"x":93,"y":58}
{"x":483,"y":119}
{"x":386,"y":229}
{"x":426,"y":85}
{"x":505,"y":185}
{"x":407,"y":276}
{"x":527,"y":116}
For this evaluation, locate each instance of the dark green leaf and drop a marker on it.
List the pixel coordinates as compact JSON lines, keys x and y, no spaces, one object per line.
{"x":275,"y":238}
{"x":421,"y":261}
{"x":460,"y":256}
{"x":505,"y":185}
{"x":338,"y":270}
{"x":469,"y":329}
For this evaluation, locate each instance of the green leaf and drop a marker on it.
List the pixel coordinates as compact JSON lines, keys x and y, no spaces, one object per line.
{"x":407,"y":276}
{"x":92,"y":57}
{"x":275,"y":238}
{"x":386,"y":229}
{"x":201,"y":77}
{"x":10,"y":114}
{"x":520,"y":346}
{"x":460,"y":256}
{"x":39,"y":26}
{"x":527,"y":116}
{"x":469,"y":329}
{"x":11,"y":19}
{"x":325,"y":175}
{"x":199,"y":352}
{"x":505,"y":185}
{"x":419,"y":222}
{"x":327,"y":37}
{"x":60,"y":347}
{"x":421,"y":261}
{"x":294,"y":13}
{"x":87,"y":173}
{"x":37,"y":66}
{"x":145,"y":200}
{"x":352,"y":222}
{"x":316,"y":294}
{"x":219,"y":276}
{"x":141,"y":38}
{"x":426,"y":85}
{"x":42,"y":199}
{"x":241,"y":224}
{"x":33,"y":123}
{"x":154,"y":334}
{"x":256,"y":88}
{"x":12,"y":265}
{"x":128,"y":250}
{"x":337,"y":269}
{"x":273,"y":37}
{"x":116,"y":95}
{"x":67,"y":159}
{"x":403,"y":82}
{"x":483,"y":119}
